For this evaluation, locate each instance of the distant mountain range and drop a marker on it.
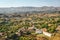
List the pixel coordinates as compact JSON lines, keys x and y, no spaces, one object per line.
{"x":28,"y":9}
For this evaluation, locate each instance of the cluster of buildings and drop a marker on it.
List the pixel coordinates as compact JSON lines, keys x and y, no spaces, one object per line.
{"x":37,"y":31}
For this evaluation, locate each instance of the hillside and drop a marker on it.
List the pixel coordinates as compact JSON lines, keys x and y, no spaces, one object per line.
{"x":28,"y":9}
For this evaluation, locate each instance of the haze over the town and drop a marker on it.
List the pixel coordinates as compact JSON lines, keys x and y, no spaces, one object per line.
{"x":29,"y":3}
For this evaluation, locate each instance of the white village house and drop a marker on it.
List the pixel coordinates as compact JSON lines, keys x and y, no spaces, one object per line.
{"x":47,"y":34}
{"x":1,"y":34}
{"x":38,"y":31}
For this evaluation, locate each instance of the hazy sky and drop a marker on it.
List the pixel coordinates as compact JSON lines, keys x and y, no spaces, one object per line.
{"x":36,"y":3}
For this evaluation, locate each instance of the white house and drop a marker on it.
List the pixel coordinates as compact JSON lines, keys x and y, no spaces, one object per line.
{"x":1,"y":34}
{"x":47,"y":34}
{"x":38,"y":31}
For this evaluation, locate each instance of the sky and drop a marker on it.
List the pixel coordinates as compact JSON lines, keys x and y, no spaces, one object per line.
{"x":31,"y":3}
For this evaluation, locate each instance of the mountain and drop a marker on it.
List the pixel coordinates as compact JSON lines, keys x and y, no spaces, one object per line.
{"x":28,"y":9}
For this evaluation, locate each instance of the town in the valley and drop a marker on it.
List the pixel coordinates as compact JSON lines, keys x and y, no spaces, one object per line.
{"x":30,"y":26}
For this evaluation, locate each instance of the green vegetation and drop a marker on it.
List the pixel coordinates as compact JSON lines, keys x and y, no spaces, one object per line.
{"x":9,"y":27}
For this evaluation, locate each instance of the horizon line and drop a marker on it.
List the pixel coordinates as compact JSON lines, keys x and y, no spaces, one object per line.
{"x":27,"y":6}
